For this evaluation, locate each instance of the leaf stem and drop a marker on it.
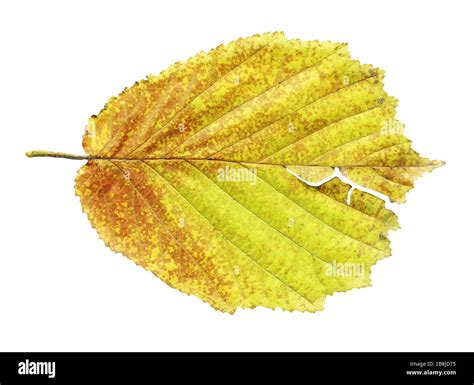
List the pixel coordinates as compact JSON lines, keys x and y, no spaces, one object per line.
{"x":54,"y":154}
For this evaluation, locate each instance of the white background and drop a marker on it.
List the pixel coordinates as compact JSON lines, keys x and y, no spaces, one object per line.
{"x":62,"y":289}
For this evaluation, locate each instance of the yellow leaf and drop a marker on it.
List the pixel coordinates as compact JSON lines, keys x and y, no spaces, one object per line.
{"x":188,"y":173}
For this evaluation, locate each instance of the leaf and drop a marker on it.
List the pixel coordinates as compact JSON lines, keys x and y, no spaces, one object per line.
{"x":188,"y":173}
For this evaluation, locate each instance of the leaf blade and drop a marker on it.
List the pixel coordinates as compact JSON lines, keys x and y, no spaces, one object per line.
{"x":189,"y":173}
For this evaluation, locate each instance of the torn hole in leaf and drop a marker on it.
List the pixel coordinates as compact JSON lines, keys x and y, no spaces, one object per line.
{"x":318,"y":176}
{"x":343,"y":190}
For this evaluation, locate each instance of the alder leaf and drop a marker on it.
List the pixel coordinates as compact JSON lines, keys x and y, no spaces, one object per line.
{"x":202,"y":174}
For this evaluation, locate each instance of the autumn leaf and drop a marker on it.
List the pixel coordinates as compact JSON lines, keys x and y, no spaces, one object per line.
{"x":202,"y":174}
